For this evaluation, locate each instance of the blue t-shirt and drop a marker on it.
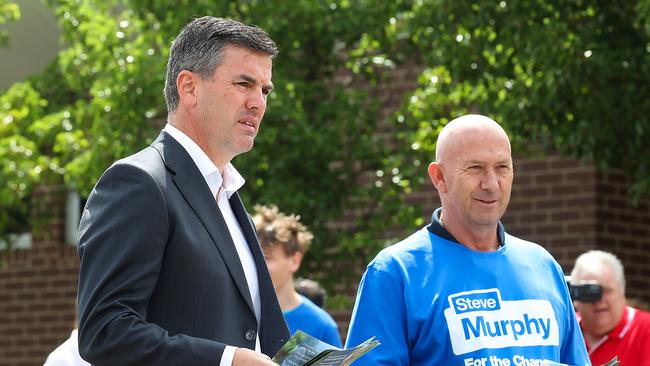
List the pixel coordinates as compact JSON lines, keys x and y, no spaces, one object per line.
{"x":432,"y":301}
{"x":313,"y":320}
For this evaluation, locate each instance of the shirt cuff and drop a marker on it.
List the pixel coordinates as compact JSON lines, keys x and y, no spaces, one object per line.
{"x":227,"y":356}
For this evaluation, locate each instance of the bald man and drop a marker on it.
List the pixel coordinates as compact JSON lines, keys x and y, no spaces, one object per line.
{"x":461,"y":291}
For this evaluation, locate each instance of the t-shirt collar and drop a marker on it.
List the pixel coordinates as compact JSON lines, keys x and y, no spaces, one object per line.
{"x":437,"y":229}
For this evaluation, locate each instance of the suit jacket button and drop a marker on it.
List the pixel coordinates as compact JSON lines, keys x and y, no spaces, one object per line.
{"x":250,"y":335}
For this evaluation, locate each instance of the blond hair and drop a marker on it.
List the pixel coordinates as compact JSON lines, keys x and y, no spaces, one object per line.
{"x":276,"y":228}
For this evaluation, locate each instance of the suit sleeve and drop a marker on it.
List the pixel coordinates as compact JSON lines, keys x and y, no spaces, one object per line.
{"x":379,"y":311}
{"x":122,"y":237}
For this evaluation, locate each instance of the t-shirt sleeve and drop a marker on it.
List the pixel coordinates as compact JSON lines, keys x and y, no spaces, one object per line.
{"x":331,"y":334}
{"x":379,"y":311}
{"x":572,"y":350}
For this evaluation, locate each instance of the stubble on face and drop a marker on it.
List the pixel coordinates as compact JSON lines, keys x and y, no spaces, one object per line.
{"x":232,"y":104}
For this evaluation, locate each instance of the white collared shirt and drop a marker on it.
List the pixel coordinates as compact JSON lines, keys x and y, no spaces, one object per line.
{"x":67,"y":354}
{"x":225,"y":186}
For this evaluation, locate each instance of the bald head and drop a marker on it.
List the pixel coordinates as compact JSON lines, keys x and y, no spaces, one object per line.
{"x":473,"y":175}
{"x":461,"y":130}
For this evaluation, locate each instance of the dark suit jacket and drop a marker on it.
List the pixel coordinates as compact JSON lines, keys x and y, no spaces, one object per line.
{"x":160,"y":281}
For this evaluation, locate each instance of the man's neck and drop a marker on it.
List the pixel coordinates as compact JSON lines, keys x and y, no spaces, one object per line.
{"x":188,"y":129}
{"x":483,"y":240}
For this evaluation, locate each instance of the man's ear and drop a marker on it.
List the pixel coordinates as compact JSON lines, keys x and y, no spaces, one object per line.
{"x":437,"y":177}
{"x":186,"y":85}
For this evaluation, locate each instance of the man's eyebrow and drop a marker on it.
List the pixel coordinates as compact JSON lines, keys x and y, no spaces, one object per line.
{"x":252,"y":80}
{"x":473,"y":162}
{"x":480,"y":162}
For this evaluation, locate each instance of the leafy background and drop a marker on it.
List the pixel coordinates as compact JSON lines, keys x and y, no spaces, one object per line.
{"x":562,"y":76}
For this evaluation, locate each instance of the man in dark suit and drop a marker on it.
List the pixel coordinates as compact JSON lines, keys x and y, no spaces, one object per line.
{"x":171,"y":271}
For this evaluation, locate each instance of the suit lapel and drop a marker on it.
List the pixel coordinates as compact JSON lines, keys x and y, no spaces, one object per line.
{"x":249,"y":232}
{"x":196,"y":192}
{"x":273,"y":329}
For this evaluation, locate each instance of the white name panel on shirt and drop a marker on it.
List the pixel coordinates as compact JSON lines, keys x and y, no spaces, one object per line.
{"x":480,"y":319}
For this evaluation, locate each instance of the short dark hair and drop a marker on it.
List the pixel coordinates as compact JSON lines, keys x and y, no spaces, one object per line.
{"x":311,"y":290}
{"x":200,"y":45}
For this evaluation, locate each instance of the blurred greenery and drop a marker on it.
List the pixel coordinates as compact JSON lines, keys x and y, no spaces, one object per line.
{"x":9,"y":12}
{"x":564,"y":76}
{"x":567,"y":76}
{"x":101,"y":99}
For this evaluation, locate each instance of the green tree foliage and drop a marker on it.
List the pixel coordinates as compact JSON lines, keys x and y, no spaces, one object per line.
{"x":102,"y":99}
{"x":9,"y":12}
{"x":569,"y":76}
{"x":13,"y":213}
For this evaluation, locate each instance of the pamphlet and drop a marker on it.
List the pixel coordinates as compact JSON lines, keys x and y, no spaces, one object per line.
{"x":613,"y":362}
{"x":304,"y":350}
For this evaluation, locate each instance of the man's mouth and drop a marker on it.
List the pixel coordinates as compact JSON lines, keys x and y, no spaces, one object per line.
{"x":247,"y":123}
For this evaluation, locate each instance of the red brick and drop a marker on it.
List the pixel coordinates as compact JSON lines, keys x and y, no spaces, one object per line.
{"x":535,"y":191}
{"x":564,"y":164}
{"x":532,"y":165}
{"x":581,"y":202}
{"x":550,"y":204}
{"x":582,"y":176}
{"x":562,"y":216}
{"x":615,"y":229}
{"x":563,"y":190}
{"x":553,"y":178}
{"x":519,"y":206}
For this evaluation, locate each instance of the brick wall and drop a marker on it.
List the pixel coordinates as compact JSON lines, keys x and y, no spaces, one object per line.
{"x":624,"y":229}
{"x":563,"y":204}
{"x":554,"y":204}
{"x":38,"y":288}
{"x":569,"y":207}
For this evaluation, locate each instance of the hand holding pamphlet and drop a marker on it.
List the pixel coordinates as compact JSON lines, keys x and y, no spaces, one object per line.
{"x":304,"y":350}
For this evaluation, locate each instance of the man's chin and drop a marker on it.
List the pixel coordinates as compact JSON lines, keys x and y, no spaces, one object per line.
{"x":487,"y":220}
{"x":245,"y":146}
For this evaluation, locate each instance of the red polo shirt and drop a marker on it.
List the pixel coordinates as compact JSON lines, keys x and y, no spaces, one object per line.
{"x":630,"y":341}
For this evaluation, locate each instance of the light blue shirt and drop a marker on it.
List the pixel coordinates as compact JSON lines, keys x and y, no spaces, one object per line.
{"x":432,"y":301}
{"x":313,"y":320}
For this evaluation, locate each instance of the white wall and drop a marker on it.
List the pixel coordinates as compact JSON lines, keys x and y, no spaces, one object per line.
{"x":33,"y":43}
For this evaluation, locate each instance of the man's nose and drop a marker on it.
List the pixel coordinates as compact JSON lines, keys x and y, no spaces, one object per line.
{"x":256,"y":100}
{"x":490,"y":181}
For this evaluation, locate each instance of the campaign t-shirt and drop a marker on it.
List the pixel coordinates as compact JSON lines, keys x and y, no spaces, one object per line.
{"x":432,"y":301}
{"x":313,"y":320}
